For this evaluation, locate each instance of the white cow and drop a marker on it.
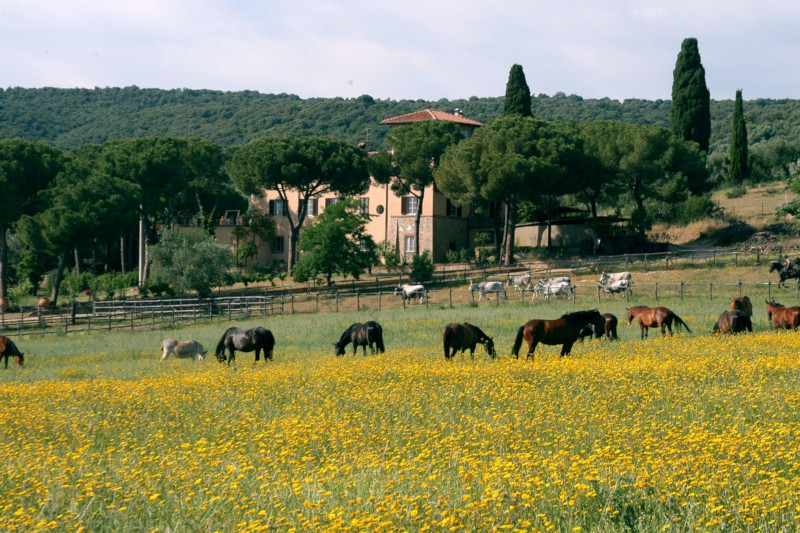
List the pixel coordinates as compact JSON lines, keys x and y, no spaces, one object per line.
{"x":620,"y":285}
{"x":558,"y":279}
{"x":182,"y":349}
{"x":488,"y":286}
{"x":615,"y":276}
{"x":553,"y":289}
{"x":410,"y":291}
{"x":520,"y":282}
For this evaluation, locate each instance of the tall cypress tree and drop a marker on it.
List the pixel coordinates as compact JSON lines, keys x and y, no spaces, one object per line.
{"x":691,"y":114}
{"x":518,"y":94}
{"x":739,"y":171}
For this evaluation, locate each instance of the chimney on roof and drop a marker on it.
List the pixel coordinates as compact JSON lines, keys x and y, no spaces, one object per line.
{"x":457,"y":112}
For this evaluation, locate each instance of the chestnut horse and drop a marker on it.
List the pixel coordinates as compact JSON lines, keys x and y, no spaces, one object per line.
{"x":782,"y":316}
{"x":564,"y":331}
{"x":733,"y":322}
{"x":8,"y":348}
{"x":742,"y":303}
{"x":649,"y":317}
{"x":610,"y":328}
{"x":463,"y":336}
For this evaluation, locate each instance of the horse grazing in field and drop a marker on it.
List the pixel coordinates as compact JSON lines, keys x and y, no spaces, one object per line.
{"x":182,"y":349}
{"x":742,"y":304}
{"x":733,"y":322}
{"x":8,"y":349}
{"x":650,"y":317}
{"x":609,"y":329}
{"x":245,"y":340}
{"x":564,"y":331}
{"x":363,"y":335}
{"x":523,"y":281}
{"x":782,"y":316}
{"x":463,"y":336}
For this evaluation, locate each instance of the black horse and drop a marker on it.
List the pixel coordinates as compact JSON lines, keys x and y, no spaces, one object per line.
{"x":362,"y":335}
{"x":463,"y":336}
{"x":245,"y":340}
{"x":8,"y":349}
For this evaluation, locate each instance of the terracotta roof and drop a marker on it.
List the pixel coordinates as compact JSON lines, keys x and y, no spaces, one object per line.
{"x":429,"y":114}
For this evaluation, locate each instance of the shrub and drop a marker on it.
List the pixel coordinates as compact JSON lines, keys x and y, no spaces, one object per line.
{"x":736,"y":192}
{"x":422,"y":267}
{"x":695,"y":208}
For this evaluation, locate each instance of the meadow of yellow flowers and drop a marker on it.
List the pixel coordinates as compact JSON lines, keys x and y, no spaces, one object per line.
{"x":678,"y":434}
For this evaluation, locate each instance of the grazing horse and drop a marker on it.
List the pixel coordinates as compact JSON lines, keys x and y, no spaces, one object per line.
{"x":649,"y":317}
{"x":245,"y":340}
{"x":782,"y":316}
{"x":8,"y":348}
{"x":733,"y":322}
{"x":182,"y":349}
{"x":742,"y":304}
{"x":487,"y":286}
{"x":609,"y":329}
{"x":363,"y":335}
{"x":463,"y":336}
{"x":564,"y":331}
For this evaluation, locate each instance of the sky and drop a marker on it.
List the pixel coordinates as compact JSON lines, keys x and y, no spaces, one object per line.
{"x":402,"y":49}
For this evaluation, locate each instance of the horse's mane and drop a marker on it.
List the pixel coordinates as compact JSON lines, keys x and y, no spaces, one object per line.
{"x":221,"y":343}
{"x":478,"y":330}
{"x":345,"y":338}
{"x":579,"y":315}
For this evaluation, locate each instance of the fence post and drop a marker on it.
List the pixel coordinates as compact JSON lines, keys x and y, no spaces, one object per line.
{"x":291,"y":300}
{"x":109,"y":322}
{"x":656,"y":291}
{"x":451,"y":296}
{"x":282,"y":304}
{"x":769,"y":290}
{"x":681,"y":290}
{"x":426,"y":299}
{"x":131,"y":322}
{"x":72,"y":311}
{"x":153,"y":319}
{"x":66,"y":324}
{"x":337,"y":301}
{"x":316,"y":305}
{"x":740,"y":288}
{"x":210,"y":311}
{"x":710,"y":291}
{"x":598,"y":295}
{"x":379,"y":299}
{"x":358,"y":300}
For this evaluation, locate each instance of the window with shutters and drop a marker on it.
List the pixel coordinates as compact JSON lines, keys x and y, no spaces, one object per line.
{"x":409,"y":205}
{"x":311,"y":207}
{"x":364,"y":205}
{"x":277,"y":245}
{"x":331,"y":201}
{"x":453,"y":210}
{"x":277,"y":208}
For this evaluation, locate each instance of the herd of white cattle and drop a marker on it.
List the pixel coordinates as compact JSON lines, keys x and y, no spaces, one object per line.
{"x":558,"y":286}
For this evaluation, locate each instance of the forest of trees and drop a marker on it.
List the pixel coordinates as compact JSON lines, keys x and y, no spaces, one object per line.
{"x":69,"y":118}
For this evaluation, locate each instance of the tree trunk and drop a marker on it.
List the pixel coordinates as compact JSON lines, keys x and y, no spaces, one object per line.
{"x":3,"y":262}
{"x":511,"y":216}
{"x":77,"y":262}
{"x":62,"y":264}
{"x":502,"y":246}
{"x":416,"y":221}
{"x":294,"y":237}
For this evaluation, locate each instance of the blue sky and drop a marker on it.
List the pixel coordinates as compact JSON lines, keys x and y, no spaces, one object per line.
{"x":403,"y":49}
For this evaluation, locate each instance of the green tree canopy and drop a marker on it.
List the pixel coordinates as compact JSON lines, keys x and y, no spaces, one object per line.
{"x":690,"y":119}
{"x":336,"y":243}
{"x":308,"y":166}
{"x":518,"y":94}
{"x":25,"y":169}
{"x":511,"y":158}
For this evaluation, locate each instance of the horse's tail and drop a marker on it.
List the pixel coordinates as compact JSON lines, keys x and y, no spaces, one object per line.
{"x":679,"y":321}
{"x":374,"y":333}
{"x":518,"y":342}
{"x":447,"y":341}
{"x":379,"y":338}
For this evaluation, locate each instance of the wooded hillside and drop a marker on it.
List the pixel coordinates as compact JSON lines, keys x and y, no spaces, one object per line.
{"x":68,"y":118}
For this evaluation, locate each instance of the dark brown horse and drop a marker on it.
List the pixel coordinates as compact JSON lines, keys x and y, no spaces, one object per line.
{"x":8,"y":349}
{"x":733,"y":322}
{"x":610,"y":329}
{"x":463,"y":336}
{"x":564,"y":331}
{"x":742,"y":303}
{"x":782,"y":316}
{"x":650,"y":317}
{"x":369,"y":334}
{"x":245,"y":340}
